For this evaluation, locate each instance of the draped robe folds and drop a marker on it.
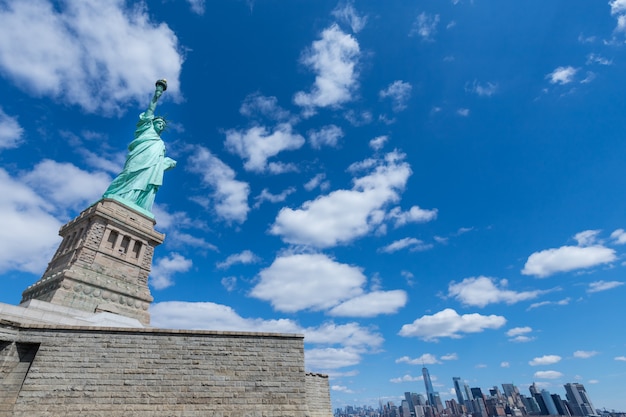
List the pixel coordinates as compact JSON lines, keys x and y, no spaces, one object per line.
{"x":143,"y":171}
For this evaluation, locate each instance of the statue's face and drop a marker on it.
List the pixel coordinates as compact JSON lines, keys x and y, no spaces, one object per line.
{"x":159,"y":125}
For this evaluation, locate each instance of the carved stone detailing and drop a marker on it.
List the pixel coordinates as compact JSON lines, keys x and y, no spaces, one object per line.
{"x":105,"y":257}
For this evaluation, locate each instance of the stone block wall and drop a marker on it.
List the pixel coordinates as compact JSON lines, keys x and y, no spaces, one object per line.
{"x":318,"y":395}
{"x":113,"y":372}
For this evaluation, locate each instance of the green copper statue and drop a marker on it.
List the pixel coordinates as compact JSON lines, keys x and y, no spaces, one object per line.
{"x":142,"y":175}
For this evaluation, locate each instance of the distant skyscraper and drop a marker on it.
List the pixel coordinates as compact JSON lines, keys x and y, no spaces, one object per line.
{"x":457,"y":388}
{"x":578,"y":400}
{"x":430,"y":392}
{"x":547,"y":400}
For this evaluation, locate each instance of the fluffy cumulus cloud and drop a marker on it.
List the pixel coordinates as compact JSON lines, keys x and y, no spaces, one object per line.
{"x":406,"y":378}
{"x":481,"y":291}
{"x":519,"y":332}
{"x":333,"y":58}
{"x":81,"y":58}
{"x":425,"y":359}
{"x":619,"y":236}
{"x":548,"y":375}
{"x":10,"y":131}
{"x":211,"y":316}
{"x":414,"y":215}
{"x":425,"y":26}
{"x":545,"y":360}
{"x":344,"y":215}
{"x":65,"y":184}
{"x":164,"y":269}
{"x":230,"y":196}
{"x":448,"y":323}
{"x":587,"y":254}
{"x":257,"y":106}
{"x":326,"y":136}
{"x":484,"y":90}
{"x":256,"y":144}
{"x":28,"y":229}
{"x":409,"y":243}
{"x":377,"y":302}
{"x":618,"y":9}
{"x":272,"y":198}
{"x":598,"y":286}
{"x":585,"y":354}
{"x":399,"y":93}
{"x":562,"y":75}
{"x":245,"y":257}
{"x":346,"y":12}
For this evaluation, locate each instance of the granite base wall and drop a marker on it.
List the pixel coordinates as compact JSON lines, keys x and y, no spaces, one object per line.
{"x":68,"y":372}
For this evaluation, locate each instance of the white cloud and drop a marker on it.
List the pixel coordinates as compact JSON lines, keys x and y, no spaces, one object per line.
{"x":481,"y":291}
{"x":463,"y":112}
{"x":484,"y":90}
{"x":245,"y":257}
{"x":28,"y":229}
{"x":326,"y":136}
{"x":406,"y":378}
{"x":598,"y":286}
{"x":341,"y":388}
{"x":516,"y":331}
{"x":450,"y":357}
{"x":10,"y":131}
{"x":426,"y":359}
{"x":545,"y":360}
{"x":414,"y":215}
{"x":272,"y":198}
{"x":505,"y":365}
{"x":317,"y":181}
{"x":371,"y":304}
{"x":256,"y":145}
{"x":521,"y":339}
{"x":333,"y":58}
{"x":620,"y":358}
{"x":619,"y":236}
{"x":448,"y":323}
{"x":567,"y":258}
{"x":587,"y":237}
{"x":344,"y":215}
{"x":425,"y":26}
{"x":82,"y":59}
{"x":164,"y":268}
{"x":411,"y":243}
{"x":378,"y":142}
{"x":347,"y":13}
{"x":598,"y":59}
{"x":211,"y":316}
{"x":331,"y":358}
{"x":562,"y":302}
{"x":68,"y":186}
{"x":548,"y":375}
{"x":308,"y":281}
{"x":230,"y":197}
{"x":399,"y":92}
{"x":618,"y":9}
{"x":257,"y":105}
{"x":585,"y":354}
{"x":197,"y":6}
{"x":229,"y":283}
{"x":349,"y":335}
{"x":562,"y":75}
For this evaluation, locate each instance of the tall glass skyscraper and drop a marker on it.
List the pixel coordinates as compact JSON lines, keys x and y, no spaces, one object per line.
{"x":459,"y":392}
{"x":578,"y":400}
{"x":430,"y":392}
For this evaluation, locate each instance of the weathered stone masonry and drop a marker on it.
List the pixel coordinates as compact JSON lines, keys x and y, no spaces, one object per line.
{"x":51,"y":371}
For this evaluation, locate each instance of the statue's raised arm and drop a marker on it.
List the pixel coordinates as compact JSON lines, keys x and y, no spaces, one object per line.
{"x":137,"y":184}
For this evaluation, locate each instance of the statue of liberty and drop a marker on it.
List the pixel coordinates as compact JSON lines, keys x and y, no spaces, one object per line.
{"x":137,"y":184}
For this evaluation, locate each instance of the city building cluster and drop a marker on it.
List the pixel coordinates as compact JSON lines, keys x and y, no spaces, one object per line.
{"x":476,"y":403}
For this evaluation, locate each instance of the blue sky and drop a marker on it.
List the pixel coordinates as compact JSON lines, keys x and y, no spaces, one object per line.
{"x":414,"y":182}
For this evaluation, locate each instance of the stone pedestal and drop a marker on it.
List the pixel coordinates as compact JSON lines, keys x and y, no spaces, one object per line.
{"x":103,"y":263}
